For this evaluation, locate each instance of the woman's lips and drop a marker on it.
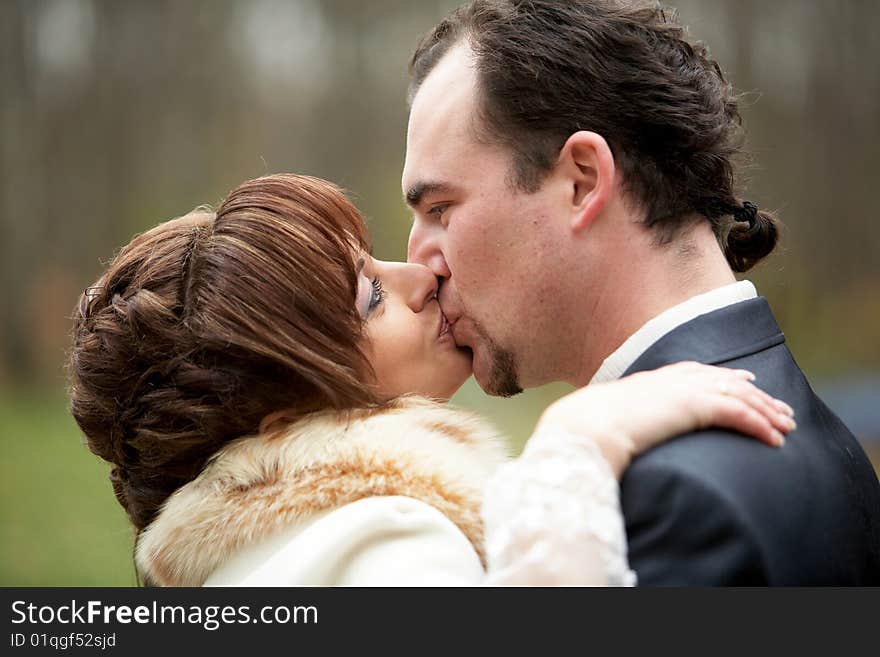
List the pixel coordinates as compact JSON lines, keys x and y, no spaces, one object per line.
{"x":444,"y":326}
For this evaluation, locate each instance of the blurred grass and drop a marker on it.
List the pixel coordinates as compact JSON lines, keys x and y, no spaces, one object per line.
{"x":59,"y":522}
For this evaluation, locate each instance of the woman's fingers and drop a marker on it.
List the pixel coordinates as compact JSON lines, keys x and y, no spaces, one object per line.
{"x":778,"y":415}
{"x":639,"y":411}
{"x":754,"y":412}
{"x":730,"y":400}
{"x":777,"y":404}
{"x":731,"y":412}
{"x":777,"y":411}
{"x":744,"y":374}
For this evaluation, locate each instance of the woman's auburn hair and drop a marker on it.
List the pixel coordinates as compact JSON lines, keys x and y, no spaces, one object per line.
{"x":206,"y":324}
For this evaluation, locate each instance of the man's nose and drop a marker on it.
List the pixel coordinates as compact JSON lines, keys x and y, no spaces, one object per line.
{"x":425,"y":248}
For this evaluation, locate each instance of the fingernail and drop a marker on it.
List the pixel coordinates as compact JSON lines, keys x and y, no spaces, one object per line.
{"x":778,"y":438}
{"x":749,"y":375}
{"x":787,"y":422}
{"x":788,"y":410}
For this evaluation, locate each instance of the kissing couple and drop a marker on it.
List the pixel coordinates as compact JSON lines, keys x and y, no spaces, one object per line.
{"x":272,"y":399}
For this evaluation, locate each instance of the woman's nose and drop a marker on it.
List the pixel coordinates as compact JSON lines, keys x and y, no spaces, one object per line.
{"x":416,"y":284}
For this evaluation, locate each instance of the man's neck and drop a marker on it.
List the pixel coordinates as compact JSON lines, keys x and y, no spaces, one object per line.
{"x":633,"y":295}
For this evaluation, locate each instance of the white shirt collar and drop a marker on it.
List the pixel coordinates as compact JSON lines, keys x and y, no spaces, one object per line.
{"x":639,"y":342}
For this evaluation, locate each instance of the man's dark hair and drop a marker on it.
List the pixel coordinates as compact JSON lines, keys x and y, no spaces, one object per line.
{"x":626,"y":71}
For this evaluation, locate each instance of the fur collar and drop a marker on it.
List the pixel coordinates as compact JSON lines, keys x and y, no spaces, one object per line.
{"x":261,"y":484}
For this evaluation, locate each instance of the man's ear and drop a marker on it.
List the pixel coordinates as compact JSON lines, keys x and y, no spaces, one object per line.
{"x":589,"y":166}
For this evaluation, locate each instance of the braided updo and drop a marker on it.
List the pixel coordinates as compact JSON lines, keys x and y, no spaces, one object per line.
{"x":204,"y":325}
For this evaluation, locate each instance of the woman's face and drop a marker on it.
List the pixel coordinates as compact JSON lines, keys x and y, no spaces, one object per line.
{"x":409,"y":343}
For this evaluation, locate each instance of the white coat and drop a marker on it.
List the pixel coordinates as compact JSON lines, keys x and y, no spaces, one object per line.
{"x":388,"y":497}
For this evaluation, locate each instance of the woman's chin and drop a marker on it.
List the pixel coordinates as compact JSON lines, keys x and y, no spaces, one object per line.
{"x":455,"y":380}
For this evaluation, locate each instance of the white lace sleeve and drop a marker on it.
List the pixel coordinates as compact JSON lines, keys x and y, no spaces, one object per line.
{"x":552,"y":517}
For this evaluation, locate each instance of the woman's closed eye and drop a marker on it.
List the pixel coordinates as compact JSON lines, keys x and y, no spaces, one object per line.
{"x":377,"y":295}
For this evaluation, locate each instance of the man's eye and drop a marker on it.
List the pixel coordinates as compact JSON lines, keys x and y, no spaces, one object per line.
{"x":438,"y":210}
{"x":377,"y":295}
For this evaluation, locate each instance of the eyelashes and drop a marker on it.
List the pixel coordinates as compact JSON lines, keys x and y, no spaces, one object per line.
{"x":378,"y":294}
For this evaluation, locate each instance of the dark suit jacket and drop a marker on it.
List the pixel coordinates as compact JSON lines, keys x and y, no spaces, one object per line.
{"x":717,"y":508}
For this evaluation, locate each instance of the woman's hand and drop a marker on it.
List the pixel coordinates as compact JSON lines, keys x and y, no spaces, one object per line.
{"x":628,"y":416}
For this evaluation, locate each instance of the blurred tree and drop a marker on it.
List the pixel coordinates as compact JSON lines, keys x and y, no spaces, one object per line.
{"x":115,"y":116}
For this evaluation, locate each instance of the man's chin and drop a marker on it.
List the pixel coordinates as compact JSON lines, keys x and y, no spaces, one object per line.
{"x":496,"y":375}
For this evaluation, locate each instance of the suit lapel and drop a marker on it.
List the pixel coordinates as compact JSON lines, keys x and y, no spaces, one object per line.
{"x":733,"y":332}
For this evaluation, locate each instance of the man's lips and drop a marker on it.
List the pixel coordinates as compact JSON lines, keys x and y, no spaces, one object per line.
{"x":447,"y":330}
{"x":448,"y":324}
{"x":456,"y":330}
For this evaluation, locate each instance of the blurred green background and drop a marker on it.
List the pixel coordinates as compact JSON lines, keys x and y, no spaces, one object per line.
{"x":116,"y":115}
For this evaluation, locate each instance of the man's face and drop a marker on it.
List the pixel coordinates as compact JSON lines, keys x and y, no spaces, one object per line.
{"x":492,"y":244}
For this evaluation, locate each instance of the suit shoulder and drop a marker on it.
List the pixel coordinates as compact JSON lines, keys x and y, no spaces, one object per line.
{"x":718,"y":470}
{"x":684,"y":529}
{"x":709,"y":455}
{"x":697,"y":465}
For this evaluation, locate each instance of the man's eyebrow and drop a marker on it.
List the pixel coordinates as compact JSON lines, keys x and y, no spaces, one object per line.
{"x":417,"y":192}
